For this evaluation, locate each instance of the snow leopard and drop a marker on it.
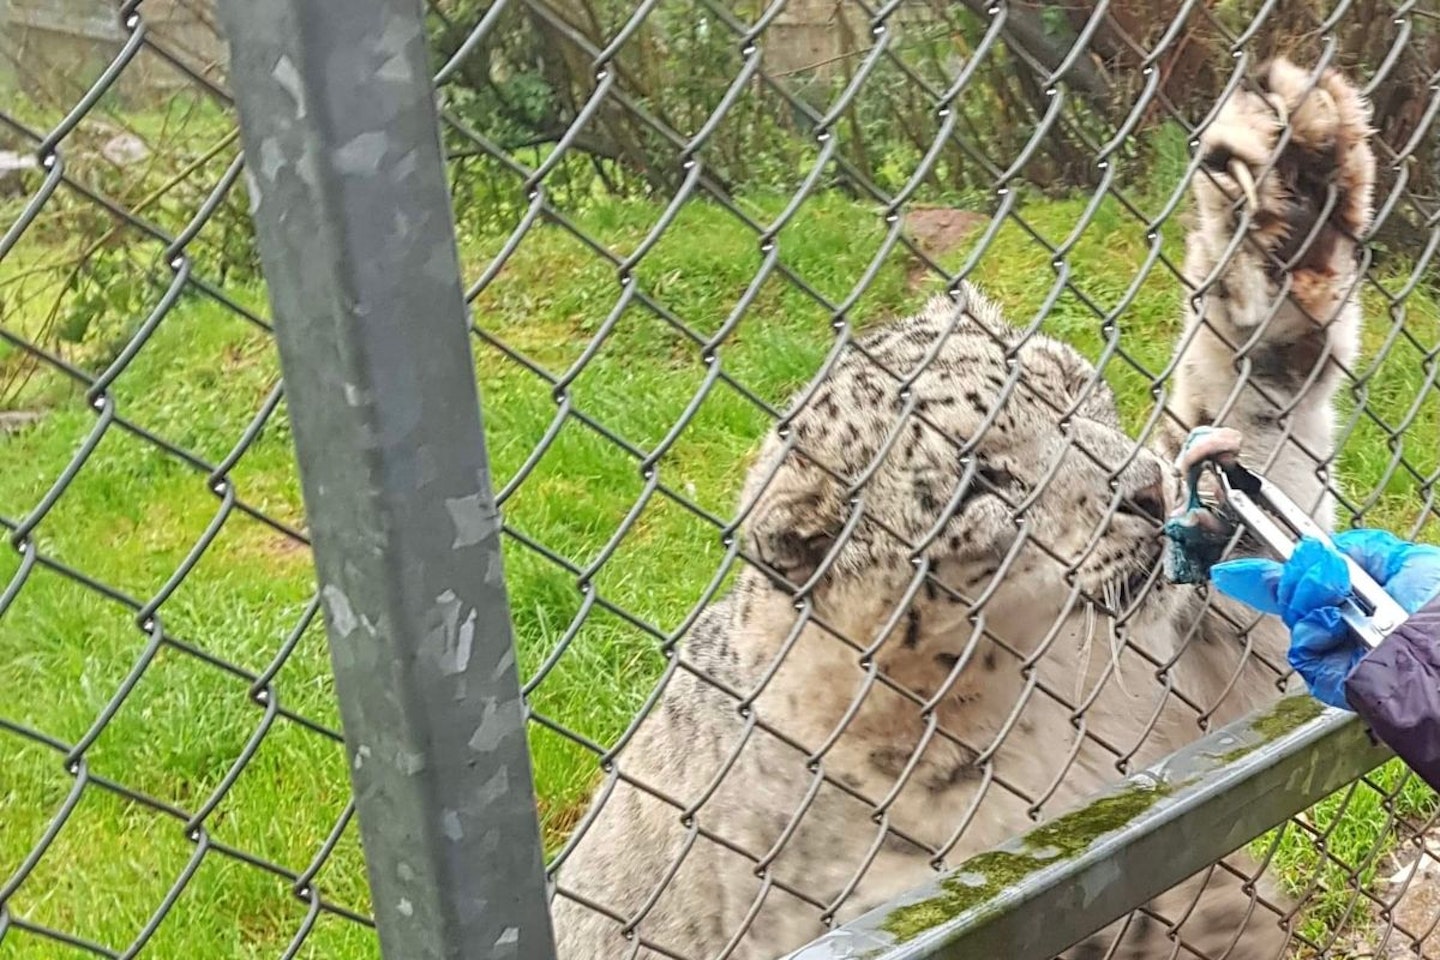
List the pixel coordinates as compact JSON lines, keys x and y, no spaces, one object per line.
{"x":953,"y":621}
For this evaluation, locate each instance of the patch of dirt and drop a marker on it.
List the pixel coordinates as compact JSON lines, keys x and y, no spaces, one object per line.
{"x":1416,"y":907}
{"x":13,"y":421}
{"x":245,"y":353}
{"x":1412,"y":891}
{"x":557,"y":820}
{"x":938,"y":231}
{"x":278,"y":548}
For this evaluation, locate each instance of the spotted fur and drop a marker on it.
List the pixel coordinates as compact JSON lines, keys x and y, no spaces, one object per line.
{"x":954,"y":619}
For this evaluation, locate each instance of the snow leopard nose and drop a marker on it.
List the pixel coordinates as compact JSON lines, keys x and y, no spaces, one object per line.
{"x":1148,"y":503}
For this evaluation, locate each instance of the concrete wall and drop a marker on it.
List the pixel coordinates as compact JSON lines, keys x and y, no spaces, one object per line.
{"x":54,"y":48}
{"x":824,"y":37}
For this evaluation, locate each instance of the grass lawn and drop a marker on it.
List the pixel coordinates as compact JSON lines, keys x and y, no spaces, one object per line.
{"x":133,"y":513}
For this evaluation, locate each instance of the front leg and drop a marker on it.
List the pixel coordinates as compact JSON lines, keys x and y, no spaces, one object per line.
{"x":1273,"y":317}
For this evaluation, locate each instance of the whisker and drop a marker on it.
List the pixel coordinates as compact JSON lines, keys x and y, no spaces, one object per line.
{"x":1112,"y":591}
{"x":1086,"y":643}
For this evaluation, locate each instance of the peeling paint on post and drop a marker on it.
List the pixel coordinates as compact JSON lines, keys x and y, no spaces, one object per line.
{"x":356,"y":237}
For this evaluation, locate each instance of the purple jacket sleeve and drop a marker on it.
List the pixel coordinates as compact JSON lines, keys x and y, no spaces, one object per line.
{"x":1396,"y":690}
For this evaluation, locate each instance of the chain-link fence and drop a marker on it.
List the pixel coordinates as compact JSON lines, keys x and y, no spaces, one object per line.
{"x":172,"y":775}
{"x":810,"y":607}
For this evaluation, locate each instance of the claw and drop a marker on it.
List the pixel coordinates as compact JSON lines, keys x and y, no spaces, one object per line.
{"x":1282,"y":112}
{"x":1221,"y":444}
{"x":1242,"y":176}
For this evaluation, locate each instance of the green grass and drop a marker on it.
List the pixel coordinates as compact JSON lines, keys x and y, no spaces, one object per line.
{"x":1347,"y":836}
{"x":132,"y":515}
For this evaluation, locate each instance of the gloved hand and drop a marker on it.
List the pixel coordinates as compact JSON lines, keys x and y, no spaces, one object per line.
{"x":1306,"y":591}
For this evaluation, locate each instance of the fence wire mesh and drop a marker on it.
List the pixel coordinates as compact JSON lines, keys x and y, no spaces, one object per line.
{"x":673,"y":218}
{"x":172,"y":775}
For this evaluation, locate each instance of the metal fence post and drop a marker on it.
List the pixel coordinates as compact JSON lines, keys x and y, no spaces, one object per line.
{"x":355,"y":228}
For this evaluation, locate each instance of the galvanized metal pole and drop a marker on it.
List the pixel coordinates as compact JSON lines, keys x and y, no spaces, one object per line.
{"x":357,"y":242}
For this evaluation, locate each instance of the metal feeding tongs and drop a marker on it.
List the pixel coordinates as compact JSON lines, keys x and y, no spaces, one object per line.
{"x":1278,"y":523}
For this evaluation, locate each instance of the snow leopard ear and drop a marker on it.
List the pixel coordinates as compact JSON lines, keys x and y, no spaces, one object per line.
{"x":796,"y":510}
{"x":787,"y":534}
{"x":797,"y":556}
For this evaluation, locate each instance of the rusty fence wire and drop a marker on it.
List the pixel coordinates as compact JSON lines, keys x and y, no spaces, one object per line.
{"x":681,"y":228}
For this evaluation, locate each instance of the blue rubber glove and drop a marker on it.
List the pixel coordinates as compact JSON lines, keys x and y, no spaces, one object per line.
{"x":1306,"y":591}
